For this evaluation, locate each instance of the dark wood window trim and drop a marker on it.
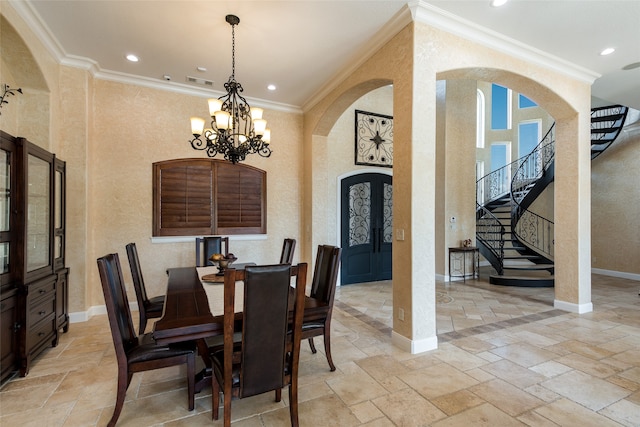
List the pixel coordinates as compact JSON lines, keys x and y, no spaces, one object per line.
{"x":194,"y":197}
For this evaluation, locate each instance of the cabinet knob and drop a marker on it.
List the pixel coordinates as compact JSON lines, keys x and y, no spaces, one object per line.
{"x":42,"y":312}
{"x":41,"y":334}
{"x":42,"y":291}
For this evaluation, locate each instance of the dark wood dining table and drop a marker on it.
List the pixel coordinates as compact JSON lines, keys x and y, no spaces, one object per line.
{"x":187,"y":313}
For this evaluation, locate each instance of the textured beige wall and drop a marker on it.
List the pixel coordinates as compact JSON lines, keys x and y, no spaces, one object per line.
{"x":615,"y":205}
{"x":150,"y":126}
{"x":459,"y":165}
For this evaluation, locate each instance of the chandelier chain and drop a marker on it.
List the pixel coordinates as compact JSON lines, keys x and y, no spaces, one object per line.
{"x":233,"y":51}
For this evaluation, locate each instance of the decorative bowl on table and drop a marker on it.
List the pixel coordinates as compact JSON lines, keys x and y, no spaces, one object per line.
{"x":222,"y":262}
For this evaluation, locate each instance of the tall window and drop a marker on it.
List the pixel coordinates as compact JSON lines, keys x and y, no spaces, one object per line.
{"x":500,"y":107}
{"x":480,"y":119}
{"x":501,"y":157}
{"x":528,"y":137}
{"x":524,"y":102}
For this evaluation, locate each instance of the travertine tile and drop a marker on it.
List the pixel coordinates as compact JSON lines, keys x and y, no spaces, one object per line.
{"x":505,"y":357}
{"x":506,"y":397}
{"x":564,"y":412}
{"x":484,"y":415}
{"x":586,"y":390}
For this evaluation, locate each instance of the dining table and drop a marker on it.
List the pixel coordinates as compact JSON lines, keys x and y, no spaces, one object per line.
{"x":194,"y":307}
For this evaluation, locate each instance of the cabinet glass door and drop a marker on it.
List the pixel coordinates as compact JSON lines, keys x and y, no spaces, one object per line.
{"x":5,"y":207}
{"x":38,"y":216}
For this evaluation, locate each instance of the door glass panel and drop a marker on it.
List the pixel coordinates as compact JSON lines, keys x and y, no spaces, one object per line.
{"x":5,"y":190}
{"x":387,"y":213}
{"x":359,"y":214}
{"x":4,"y":257}
{"x":38,"y":214}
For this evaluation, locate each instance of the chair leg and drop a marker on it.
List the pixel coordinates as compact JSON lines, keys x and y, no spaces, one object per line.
{"x":327,"y":347}
{"x":215,"y":397}
{"x":123,"y":384}
{"x":293,"y":404}
{"x":191,"y":379}
{"x":227,"y":405}
{"x":312,"y":346}
{"x":278,"y":394}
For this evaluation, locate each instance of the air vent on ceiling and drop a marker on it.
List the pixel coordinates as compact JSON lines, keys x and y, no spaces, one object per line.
{"x":199,"y":81}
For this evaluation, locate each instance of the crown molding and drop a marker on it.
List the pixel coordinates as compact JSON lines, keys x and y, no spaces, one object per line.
{"x":42,"y":32}
{"x":425,"y":13}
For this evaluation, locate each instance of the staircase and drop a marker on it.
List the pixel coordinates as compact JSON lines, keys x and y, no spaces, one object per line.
{"x":517,"y":242}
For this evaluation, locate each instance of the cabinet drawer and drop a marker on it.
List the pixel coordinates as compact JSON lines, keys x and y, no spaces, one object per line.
{"x":44,"y":289}
{"x":40,"y":312}
{"x":45,"y":331}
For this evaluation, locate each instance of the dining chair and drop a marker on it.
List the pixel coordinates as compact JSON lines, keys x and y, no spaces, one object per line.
{"x":149,"y":308}
{"x":207,"y":246}
{"x":267,"y":354}
{"x":288,"y":248}
{"x":320,"y":300}
{"x":137,"y":353}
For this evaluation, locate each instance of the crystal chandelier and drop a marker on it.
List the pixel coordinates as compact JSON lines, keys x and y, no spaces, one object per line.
{"x":236,"y":129}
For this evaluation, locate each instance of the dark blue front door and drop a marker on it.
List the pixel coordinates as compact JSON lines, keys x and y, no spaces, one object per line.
{"x":367,"y":228}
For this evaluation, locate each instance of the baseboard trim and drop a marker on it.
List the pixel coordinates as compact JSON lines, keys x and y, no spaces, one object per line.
{"x":84,"y":316}
{"x":613,"y":273}
{"x":414,"y":347}
{"x":573,"y":308}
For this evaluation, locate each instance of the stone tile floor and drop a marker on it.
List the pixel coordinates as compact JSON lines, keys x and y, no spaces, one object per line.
{"x":505,"y":357}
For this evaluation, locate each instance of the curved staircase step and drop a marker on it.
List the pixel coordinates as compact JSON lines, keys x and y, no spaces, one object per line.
{"x":522,"y":281}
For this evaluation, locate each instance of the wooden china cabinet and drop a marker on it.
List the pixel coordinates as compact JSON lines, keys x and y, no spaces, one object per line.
{"x":33,"y":275}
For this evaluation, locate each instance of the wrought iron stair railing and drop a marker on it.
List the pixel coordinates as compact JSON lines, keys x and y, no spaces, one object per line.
{"x":532,"y":176}
{"x":490,"y":234}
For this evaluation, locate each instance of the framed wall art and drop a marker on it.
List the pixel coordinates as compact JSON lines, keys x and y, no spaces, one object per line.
{"x":373,"y":139}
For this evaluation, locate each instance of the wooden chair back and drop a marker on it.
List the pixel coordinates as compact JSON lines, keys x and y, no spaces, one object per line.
{"x":136,"y":275}
{"x":207,"y":246}
{"x":288,"y":248}
{"x":115,"y":298}
{"x":325,"y":274}
{"x":270,"y":345}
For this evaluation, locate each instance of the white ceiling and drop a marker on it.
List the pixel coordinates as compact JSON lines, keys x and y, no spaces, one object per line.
{"x":301,"y":45}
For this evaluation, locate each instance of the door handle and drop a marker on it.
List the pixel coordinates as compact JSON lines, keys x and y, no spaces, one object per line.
{"x":374,"y":231}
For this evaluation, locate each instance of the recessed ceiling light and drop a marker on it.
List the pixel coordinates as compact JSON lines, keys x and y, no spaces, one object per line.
{"x":498,"y":3}
{"x":271,"y":87}
{"x":607,"y":51}
{"x":133,"y":58}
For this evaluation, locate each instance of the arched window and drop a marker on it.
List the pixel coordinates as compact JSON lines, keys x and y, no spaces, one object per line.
{"x":480,"y":115}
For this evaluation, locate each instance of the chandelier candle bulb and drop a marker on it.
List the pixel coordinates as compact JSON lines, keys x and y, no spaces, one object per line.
{"x":256,"y":113}
{"x":197,"y":125}
{"x":259,"y":126}
{"x":214,"y":105}
{"x":222,"y":120}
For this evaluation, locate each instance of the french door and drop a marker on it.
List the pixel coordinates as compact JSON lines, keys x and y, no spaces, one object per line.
{"x":366,"y":228}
